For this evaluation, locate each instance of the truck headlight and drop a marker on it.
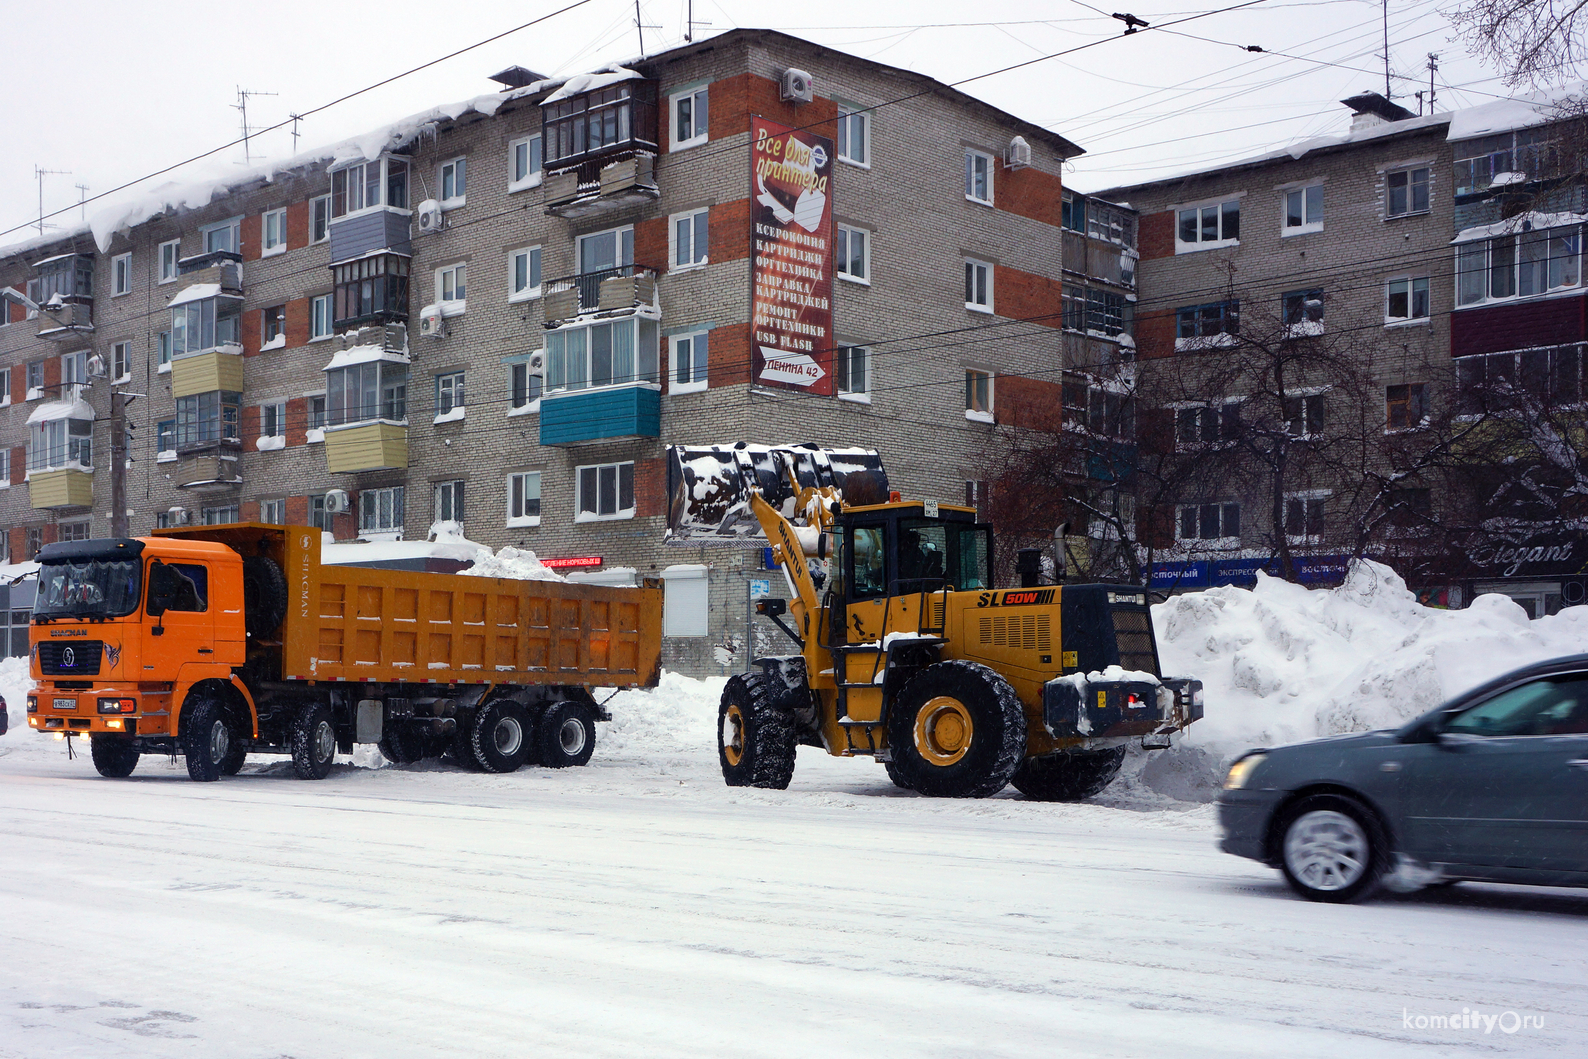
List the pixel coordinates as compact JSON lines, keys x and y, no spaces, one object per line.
{"x":118,"y":705}
{"x":1242,"y":770}
{"x":33,"y":704}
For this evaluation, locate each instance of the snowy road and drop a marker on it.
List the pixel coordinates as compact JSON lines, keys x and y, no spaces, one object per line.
{"x":638,"y":908}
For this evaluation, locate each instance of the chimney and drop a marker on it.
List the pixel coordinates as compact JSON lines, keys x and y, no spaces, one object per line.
{"x":516,"y":77}
{"x":1371,"y":108}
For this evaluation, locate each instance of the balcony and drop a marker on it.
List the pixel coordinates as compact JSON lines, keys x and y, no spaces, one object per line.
{"x":220,"y":267}
{"x":360,"y":234}
{"x":601,"y":186}
{"x":373,"y":446}
{"x":215,"y":472}
{"x":220,"y":368}
{"x":67,"y":321}
{"x":65,"y":291}
{"x":572,"y":417}
{"x":610,"y":292}
{"x":61,"y":487}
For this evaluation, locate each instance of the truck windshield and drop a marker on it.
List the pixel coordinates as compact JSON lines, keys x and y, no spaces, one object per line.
{"x":88,"y":588}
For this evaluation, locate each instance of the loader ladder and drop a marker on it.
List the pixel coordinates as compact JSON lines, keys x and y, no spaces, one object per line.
{"x":930,"y":635}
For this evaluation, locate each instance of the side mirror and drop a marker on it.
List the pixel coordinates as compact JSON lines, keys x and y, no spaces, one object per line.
{"x":772,"y":607}
{"x":160,"y":590}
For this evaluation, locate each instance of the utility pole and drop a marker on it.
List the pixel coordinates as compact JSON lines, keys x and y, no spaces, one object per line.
{"x":1433,"y":67}
{"x":82,"y":200}
{"x":118,"y":462}
{"x":639,"y":24}
{"x":242,"y":105}
{"x":39,"y":175}
{"x":295,"y":119}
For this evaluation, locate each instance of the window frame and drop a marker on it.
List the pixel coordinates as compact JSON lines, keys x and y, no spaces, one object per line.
{"x":170,"y":252}
{"x":275,"y":414}
{"x":317,"y":303}
{"x":972,"y":156}
{"x":1312,"y":508}
{"x":1308,"y":223}
{"x":843,"y":141}
{"x":121,"y":275}
{"x":844,"y":235}
{"x":844,"y":358}
{"x":521,"y":479}
{"x":279,"y":219}
{"x":972,"y":413}
{"x":460,"y":169}
{"x":453,"y":493}
{"x":697,"y":135}
{"x":452,"y":306}
{"x":971,"y":265}
{"x":121,"y":357}
{"x":1411,"y":292}
{"x":320,"y":218}
{"x":233,"y":228}
{"x":699,"y":373}
{"x":1228,"y":207}
{"x":699,"y":226}
{"x":619,"y":511}
{"x":273,"y":317}
{"x":451,"y":396}
{"x":531,"y":391}
{"x":536,"y":170}
{"x":165,"y":430}
{"x":1224,"y":539}
{"x":646,"y":367}
{"x":1411,"y":209}
{"x":276,"y":506}
{"x":396,"y":507}
{"x":533,"y":257}
{"x":1414,"y":401}
{"x":1225,"y":423}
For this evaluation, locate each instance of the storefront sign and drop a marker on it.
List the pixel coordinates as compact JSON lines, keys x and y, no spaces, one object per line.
{"x":578,"y":560}
{"x":791,"y":260}
{"x":1545,"y":555}
{"x":1309,"y":570}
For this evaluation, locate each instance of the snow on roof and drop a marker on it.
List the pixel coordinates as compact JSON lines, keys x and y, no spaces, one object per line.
{"x":346,"y":358}
{"x":47,"y":239}
{"x":57,"y":257}
{"x":52,"y":410}
{"x":195,"y":293}
{"x":1506,"y":115}
{"x":10,"y":573}
{"x":579,"y":84}
{"x":1530,"y":221}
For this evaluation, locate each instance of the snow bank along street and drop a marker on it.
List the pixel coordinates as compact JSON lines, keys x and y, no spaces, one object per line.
{"x":638,"y":907}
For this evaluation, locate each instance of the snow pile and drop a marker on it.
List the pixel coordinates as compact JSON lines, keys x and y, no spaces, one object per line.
{"x":678,"y":716}
{"x":518,"y":563}
{"x":14,"y":687}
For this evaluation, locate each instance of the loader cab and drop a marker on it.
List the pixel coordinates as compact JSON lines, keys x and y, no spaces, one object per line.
{"x":891,"y":550}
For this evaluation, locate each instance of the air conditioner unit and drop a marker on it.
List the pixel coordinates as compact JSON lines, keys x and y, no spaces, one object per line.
{"x":1018,"y":156}
{"x":336,"y":502}
{"x":796,"y":86}
{"x":537,"y":362}
{"x":431,"y":219}
{"x":96,"y":366}
{"x":431,"y":322}
{"x":178,"y":516}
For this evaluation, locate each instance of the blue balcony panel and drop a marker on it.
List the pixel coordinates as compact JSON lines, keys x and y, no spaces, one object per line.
{"x":576,"y":416}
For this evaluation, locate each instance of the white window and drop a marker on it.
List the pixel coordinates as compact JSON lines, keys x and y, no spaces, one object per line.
{"x":72,"y":531}
{"x":381,"y":510}
{"x":1215,"y":523}
{"x":273,"y":234}
{"x":523,"y":163}
{"x":74,"y":369}
{"x":223,"y":236}
{"x":689,"y":118}
{"x":273,"y":327}
{"x":689,"y":234}
{"x":523,"y":499}
{"x":852,"y":374}
{"x":854,"y":136}
{"x":320,"y":518}
{"x":319,"y":218}
{"x":523,"y":274}
{"x":170,"y":254}
{"x":121,"y":362}
{"x":1304,"y":210}
{"x":273,"y":512}
{"x":1304,"y":414}
{"x":273,"y":420}
{"x":1406,"y":299}
{"x":121,"y":275}
{"x":315,"y":413}
{"x":978,"y":395}
{"x":320,"y":317}
{"x":5,"y":480}
{"x":449,"y":501}
{"x":5,"y":391}
{"x":1406,"y":191}
{"x":61,"y":443}
{"x":605,"y":491}
{"x":165,"y":440}
{"x":979,"y":177}
{"x":454,"y":182}
{"x":1304,"y":516}
{"x":361,"y":186}
{"x":854,"y":254}
{"x":525,"y":387}
{"x":978,"y":286}
{"x":449,"y":396}
{"x":689,"y":358}
{"x":163,"y":345}
{"x":610,"y":353}
{"x":451,"y":288}
{"x":1207,"y":227}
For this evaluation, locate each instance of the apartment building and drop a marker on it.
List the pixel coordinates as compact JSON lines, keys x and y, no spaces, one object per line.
{"x":500,"y":313}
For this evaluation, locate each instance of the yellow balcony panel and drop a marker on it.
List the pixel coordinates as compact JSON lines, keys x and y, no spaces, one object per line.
{"x":66,"y":487}
{"x":219,"y":369}
{"x":366,"y":447}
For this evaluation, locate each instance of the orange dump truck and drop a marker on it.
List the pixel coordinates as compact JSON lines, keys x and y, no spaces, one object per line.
{"x":217,"y":642}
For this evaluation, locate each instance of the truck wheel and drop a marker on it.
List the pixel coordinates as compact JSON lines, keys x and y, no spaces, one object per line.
{"x":461,"y":744}
{"x":401,"y":744}
{"x":1332,"y":849}
{"x":565,"y":735}
{"x":235,"y":757}
{"x":114,"y":756}
{"x":755,"y":736}
{"x":957,"y":731}
{"x":1068,"y":777}
{"x":501,"y":735}
{"x":264,"y":596}
{"x":206,"y":738}
{"x":313,"y":743}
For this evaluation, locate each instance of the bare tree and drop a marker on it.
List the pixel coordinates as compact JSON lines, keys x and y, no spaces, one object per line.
{"x":1528,"y":41}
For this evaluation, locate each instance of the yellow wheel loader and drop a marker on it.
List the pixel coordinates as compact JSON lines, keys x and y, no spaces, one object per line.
{"x":908,"y":653}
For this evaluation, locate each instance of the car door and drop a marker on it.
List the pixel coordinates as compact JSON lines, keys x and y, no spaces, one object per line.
{"x":1505,"y":783}
{"x":186,"y":625}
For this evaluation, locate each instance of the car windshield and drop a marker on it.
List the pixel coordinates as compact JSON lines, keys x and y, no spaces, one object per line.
{"x":88,"y":588}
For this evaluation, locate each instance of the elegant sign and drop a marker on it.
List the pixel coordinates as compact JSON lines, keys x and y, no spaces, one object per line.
{"x":578,"y":560}
{"x":791,"y":235}
{"x":1544,"y":555}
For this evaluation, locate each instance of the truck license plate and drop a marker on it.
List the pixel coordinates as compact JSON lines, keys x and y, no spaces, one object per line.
{"x":66,"y":704}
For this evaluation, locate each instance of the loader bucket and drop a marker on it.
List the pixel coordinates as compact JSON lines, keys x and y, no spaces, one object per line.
{"x":709,"y":486}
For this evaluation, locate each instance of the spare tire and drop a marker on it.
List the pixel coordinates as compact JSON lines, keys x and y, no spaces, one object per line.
{"x":264,"y":596}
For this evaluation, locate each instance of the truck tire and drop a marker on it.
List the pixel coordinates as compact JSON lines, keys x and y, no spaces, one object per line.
{"x":207,"y":737}
{"x":264,"y":596}
{"x":755,"y":737}
{"x":1068,"y":777}
{"x":500,"y":736}
{"x":957,"y":731}
{"x":313,"y":743}
{"x":462,"y":744}
{"x":1332,"y":848}
{"x":401,"y":744}
{"x":235,"y":757}
{"x":565,"y":735}
{"x":115,"y":756}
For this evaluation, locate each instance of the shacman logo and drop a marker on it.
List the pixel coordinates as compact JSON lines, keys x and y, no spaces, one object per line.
{"x":68,"y":659}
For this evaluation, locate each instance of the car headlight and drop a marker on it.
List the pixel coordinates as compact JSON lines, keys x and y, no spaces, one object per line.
{"x":1241,"y":771}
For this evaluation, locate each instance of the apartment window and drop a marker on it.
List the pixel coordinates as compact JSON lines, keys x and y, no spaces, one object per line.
{"x":603,"y":254}
{"x":1206,"y":321}
{"x":381,"y":510}
{"x":454,"y":182}
{"x":61,"y":443}
{"x":1302,"y":312}
{"x":320,"y":325}
{"x":523,"y":499}
{"x":605,"y":354}
{"x":208,"y":418}
{"x":451,"y":284}
{"x":34,"y":541}
{"x":1304,"y":517}
{"x":35,"y":379}
{"x":523,"y":163}
{"x":220,"y":516}
{"x":1405,"y":405}
{"x":273,"y":512}
{"x":689,"y":118}
{"x":1530,"y":153}
{"x":978,"y":395}
{"x":1101,"y":312}
{"x":121,"y":275}
{"x":74,"y":369}
{"x":1304,"y":210}
{"x":978,"y":286}
{"x":854,"y":254}
{"x":72,"y":531}
{"x":369,"y":184}
{"x":319,"y":517}
{"x":1303,"y":415}
{"x":121,"y":361}
{"x":1406,"y":191}
{"x":449,"y":501}
{"x":1209,"y":522}
{"x":689,"y":357}
{"x":362,"y":392}
{"x":1497,"y":382}
{"x":1110,"y":224}
{"x":605,"y":491}
{"x":224,"y":236}
{"x":1205,"y":227}
{"x":524,"y":274}
{"x":274,"y":327}
{"x":690,"y":235}
{"x":319,"y":218}
{"x":5,"y":483}
{"x":315,"y":411}
{"x":371,"y":290}
{"x":273,"y":420}
{"x":163,"y":346}
{"x":170,"y":254}
{"x":599,"y":122}
{"x":165,"y":437}
{"x":1201,"y":425}
{"x":206,"y":323}
{"x":979,"y":177}
{"x":852,"y":375}
{"x":449,"y":394}
{"x":1103,"y":412}
{"x":1406,"y":298}
{"x":854,"y":136}
{"x":525,"y":385}
{"x":5,"y":393}
{"x":273,"y":233}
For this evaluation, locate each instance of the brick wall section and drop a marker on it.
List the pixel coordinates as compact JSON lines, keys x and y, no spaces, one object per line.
{"x":650,"y":243}
{"x":248,"y":510}
{"x":734,"y":100}
{"x":297,"y":421}
{"x":728,"y":356}
{"x":297,"y":323}
{"x":1023,"y":296}
{"x":250,"y":235}
{"x":297,"y":510}
{"x":19,"y":382}
{"x":1033,"y":404}
{"x":297,"y":226}
{"x":19,"y":464}
{"x":250,"y":425}
{"x":650,"y":488}
{"x":1031,"y":193}
{"x":52,"y":377}
{"x":729,"y":231}
{"x":1155,"y":334}
{"x":253,"y":329}
{"x":1155,"y":235}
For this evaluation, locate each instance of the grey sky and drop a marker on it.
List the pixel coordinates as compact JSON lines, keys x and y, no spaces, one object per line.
{"x":111,"y":91}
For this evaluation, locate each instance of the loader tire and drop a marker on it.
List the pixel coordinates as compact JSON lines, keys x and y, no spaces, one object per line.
{"x":114,"y":756}
{"x":1068,"y":777}
{"x":565,"y":736}
{"x":264,"y":596}
{"x":207,"y":737}
{"x":957,"y":731}
{"x":313,"y":743}
{"x":893,"y":774}
{"x":500,"y":736}
{"x":755,"y":736}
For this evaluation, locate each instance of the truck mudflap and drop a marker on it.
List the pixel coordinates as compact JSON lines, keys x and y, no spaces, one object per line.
{"x":1110,"y":706}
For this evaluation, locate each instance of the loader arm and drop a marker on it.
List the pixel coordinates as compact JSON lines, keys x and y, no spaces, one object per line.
{"x":789,"y":554}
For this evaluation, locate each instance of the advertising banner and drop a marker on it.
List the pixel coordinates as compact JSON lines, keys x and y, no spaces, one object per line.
{"x":791,"y":237}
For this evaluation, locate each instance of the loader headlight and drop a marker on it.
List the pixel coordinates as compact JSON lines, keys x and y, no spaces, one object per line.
{"x":1242,"y":770}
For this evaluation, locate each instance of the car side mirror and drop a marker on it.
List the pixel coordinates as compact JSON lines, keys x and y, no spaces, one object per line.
{"x":160,"y":590}
{"x":1426,"y":731}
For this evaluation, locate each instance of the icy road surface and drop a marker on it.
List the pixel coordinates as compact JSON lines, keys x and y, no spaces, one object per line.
{"x":638,"y":908}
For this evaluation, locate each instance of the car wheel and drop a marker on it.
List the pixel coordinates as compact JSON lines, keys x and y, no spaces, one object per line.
{"x":956,"y":731}
{"x":501,"y":736}
{"x":755,"y":736}
{"x":1332,"y":849}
